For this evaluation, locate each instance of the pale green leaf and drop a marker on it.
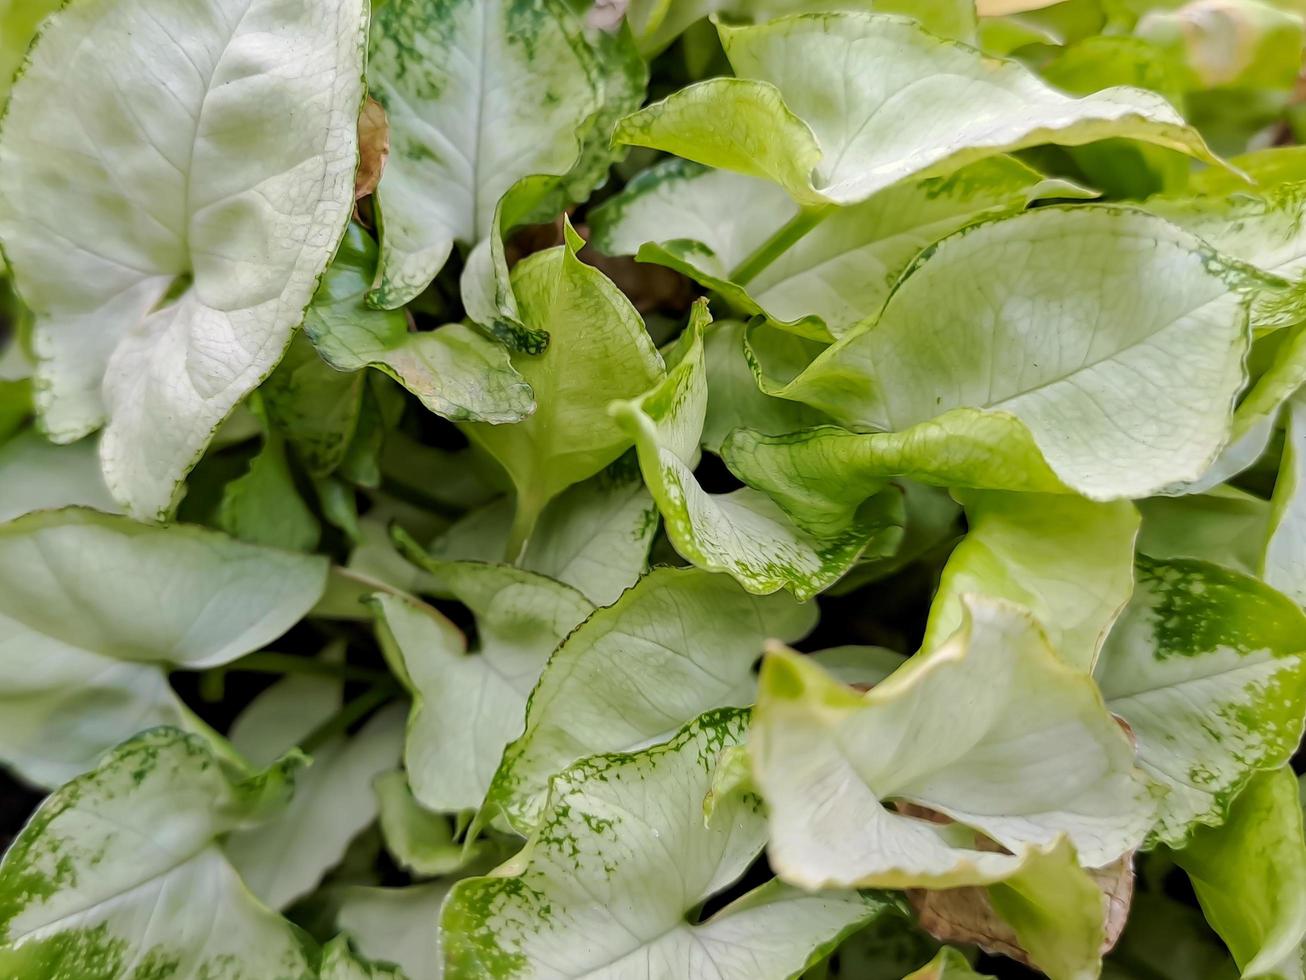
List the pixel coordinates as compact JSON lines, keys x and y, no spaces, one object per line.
{"x":742,"y":533}
{"x":316,"y":407}
{"x":202,"y":225}
{"x":990,"y":729}
{"x":836,"y":275}
{"x":599,"y":351}
{"x":397,"y":925}
{"x":453,"y":371}
{"x":679,"y":643}
{"x":1205,"y":667}
{"x":857,"y":665}
{"x":607,"y":887}
{"x":481,"y":93}
{"x":340,"y":963}
{"x":36,"y":474}
{"x":949,"y":964}
{"x":1225,"y":526}
{"x":1250,"y":876}
{"x":121,"y":870}
{"x":93,"y":609}
{"x":1098,"y":349}
{"x":19,"y":20}
{"x":284,"y":858}
{"x":420,"y":841}
{"x":1229,"y":43}
{"x":911,"y":105}
{"x":468,"y":706}
{"x":1067,"y":560}
{"x":1284,"y":564}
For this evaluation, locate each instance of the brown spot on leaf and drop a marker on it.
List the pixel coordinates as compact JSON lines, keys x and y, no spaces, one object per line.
{"x":373,"y":148}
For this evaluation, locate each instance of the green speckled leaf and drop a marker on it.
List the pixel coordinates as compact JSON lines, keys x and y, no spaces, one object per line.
{"x":607,"y":887}
{"x":990,"y":729}
{"x":679,"y":643}
{"x":120,"y":870}
{"x":742,"y":533}
{"x":481,"y":93}
{"x":1205,"y":666}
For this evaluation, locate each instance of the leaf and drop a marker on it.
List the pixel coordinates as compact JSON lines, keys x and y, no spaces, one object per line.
{"x":608,"y":884}
{"x":1284,"y":563}
{"x":913,"y":105}
{"x":203,"y":225}
{"x":481,"y":94}
{"x":80,"y":896}
{"x":990,"y":729}
{"x":599,"y":352}
{"x":373,"y":148}
{"x":1037,"y":353}
{"x":1069,"y":561}
{"x":19,"y":21}
{"x":1229,"y":43}
{"x":742,"y":533}
{"x":467,"y":708}
{"x":398,"y":925}
{"x":947,"y":965}
{"x":264,"y":506}
{"x":1250,"y":876}
{"x":315,"y":407}
{"x":837,"y":274}
{"x":733,"y":396}
{"x":681,"y":642}
{"x":594,"y":536}
{"x":1205,"y":667}
{"x":1226,"y":526}
{"x":453,"y":371}
{"x":339,"y":963}
{"x":420,"y":841}
{"x":38,"y":475}
{"x":93,"y":609}
{"x":285,"y":858}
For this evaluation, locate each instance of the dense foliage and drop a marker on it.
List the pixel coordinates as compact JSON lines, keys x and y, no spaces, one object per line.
{"x":721,"y":489}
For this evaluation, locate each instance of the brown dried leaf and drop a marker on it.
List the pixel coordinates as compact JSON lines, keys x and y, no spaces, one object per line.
{"x":373,"y":148}
{"x":965,"y":915}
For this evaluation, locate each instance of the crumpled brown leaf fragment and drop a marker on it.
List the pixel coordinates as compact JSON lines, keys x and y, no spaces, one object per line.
{"x":373,"y":148}
{"x":965,"y":915}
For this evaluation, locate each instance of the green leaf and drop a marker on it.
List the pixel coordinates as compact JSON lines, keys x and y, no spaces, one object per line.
{"x":38,"y":475}
{"x":1057,"y":912}
{"x":594,"y":536}
{"x":19,"y":20}
{"x":81,"y":897}
{"x":681,"y":642}
{"x":264,"y":506}
{"x":479,"y":95}
{"x":1036,"y":353}
{"x":420,"y":841}
{"x":340,"y":963}
{"x":949,"y":964}
{"x":284,"y":859}
{"x":1237,"y":44}
{"x":314,"y":406}
{"x":202,"y":226}
{"x":599,"y":351}
{"x":912,"y":105}
{"x":608,"y":885}
{"x":398,"y":925}
{"x":837,"y":274}
{"x":93,"y":609}
{"x":453,"y":370}
{"x":1205,"y":666}
{"x":991,"y":729}
{"x":1067,"y":560}
{"x":1284,"y":564}
{"x":1226,"y":526}
{"x":742,"y":533}
{"x":468,"y":706}
{"x":1250,"y":876}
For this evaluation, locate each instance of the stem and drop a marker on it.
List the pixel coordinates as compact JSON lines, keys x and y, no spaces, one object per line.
{"x":355,"y":710}
{"x":267,"y":662}
{"x":524,"y":517}
{"x":779,"y":243}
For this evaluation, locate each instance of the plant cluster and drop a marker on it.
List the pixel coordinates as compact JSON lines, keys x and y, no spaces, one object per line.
{"x":662,"y":490}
